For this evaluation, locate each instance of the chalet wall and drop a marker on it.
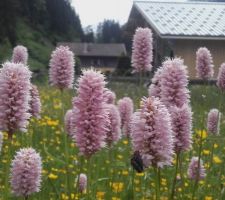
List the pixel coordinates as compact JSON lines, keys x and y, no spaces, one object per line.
{"x":100,"y":61}
{"x":186,"y":49}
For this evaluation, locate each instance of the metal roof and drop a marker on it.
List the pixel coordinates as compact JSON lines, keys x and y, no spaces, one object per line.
{"x":96,"y":49}
{"x":184,"y":19}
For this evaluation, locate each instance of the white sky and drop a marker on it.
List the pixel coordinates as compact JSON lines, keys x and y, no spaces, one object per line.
{"x":92,"y":12}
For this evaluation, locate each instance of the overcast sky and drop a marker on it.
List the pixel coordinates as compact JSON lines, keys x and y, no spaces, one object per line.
{"x":92,"y":12}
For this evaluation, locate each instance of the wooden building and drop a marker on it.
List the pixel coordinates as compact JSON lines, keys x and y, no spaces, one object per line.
{"x":180,"y":28}
{"x":102,"y":56}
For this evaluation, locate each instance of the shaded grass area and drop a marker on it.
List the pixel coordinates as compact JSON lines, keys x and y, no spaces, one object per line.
{"x":39,"y":47}
{"x":110,"y":174}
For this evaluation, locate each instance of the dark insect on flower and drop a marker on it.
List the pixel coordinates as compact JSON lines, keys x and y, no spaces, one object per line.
{"x":136,"y":162}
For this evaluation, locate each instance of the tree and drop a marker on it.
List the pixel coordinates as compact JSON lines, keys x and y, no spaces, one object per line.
{"x":124,"y":66}
{"x":8,"y":12}
{"x":109,"y":31}
{"x":88,"y":34}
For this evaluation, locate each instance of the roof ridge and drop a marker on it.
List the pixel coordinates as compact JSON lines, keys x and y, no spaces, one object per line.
{"x":179,"y":2}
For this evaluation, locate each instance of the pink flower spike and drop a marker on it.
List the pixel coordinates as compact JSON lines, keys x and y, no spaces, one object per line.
{"x":126,"y":109}
{"x":114,"y":133}
{"x":15,"y":89}
{"x":82,"y":183}
{"x":151,"y":133}
{"x":61,"y":72}
{"x":204,"y":63}
{"x":221,"y":77}
{"x":196,"y":171}
{"x":174,"y":82}
{"x":142,"y":49}
{"x":155,"y":87}
{"x":213,"y":122}
{"x":110,"y":96}
{"x":90,"y":116}
{"x":26,"y":172}
{"x":35,"y":102}
{"x":68,"y":123}
{"x":20,"y":55}
{"x":181,"y":119}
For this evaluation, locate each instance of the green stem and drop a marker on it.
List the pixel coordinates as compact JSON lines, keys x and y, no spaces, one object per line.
{"x":211,"y":156}
{"x":133,"y":175}
{"x":9,"y":142}
{"x":198,"y":174}
{"x":157,"y":183}
{"x":140,"y":79}
{"x":67,"y":181}
{"x":175,"y":177}
{"x":181,"y":174}
{"x":89,"y":176}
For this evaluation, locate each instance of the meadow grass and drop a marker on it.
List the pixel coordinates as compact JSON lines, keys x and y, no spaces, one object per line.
{"x":110,"y":174}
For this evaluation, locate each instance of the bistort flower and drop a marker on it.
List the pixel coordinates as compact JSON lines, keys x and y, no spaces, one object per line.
{"x":90,"y":116}
{"x":126,"y":109}
{"x":204,"y":63}
{"x":15,"y":97}
{"x":113,"y":133}
{"x":196,"y":170}
{"x":110,"y":96}
{"x":151,"y":133}
{"x":213,"y":122}
{"x":35,"y":102}
{"x":181,"y":119}
{"x":174,"y":82}
{"x":155,"y":87}
{"x":61,"y":72}
{"x":82,"y":182}
{"x":68,"y":123}
{"x":20,"y":55}
{"x":221,"y":77}
{"x":142,"y":49}
{"x":26,"y":172}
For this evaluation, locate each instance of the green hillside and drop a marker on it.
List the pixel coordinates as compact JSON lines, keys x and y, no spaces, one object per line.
{"x":38,"y":25}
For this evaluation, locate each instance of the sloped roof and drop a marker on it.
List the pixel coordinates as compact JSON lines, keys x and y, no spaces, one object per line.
{"x":93,"y":49}
{"x":184,"y":19}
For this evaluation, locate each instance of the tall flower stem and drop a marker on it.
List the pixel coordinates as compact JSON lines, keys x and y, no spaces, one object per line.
{"x":211,"y":155}
{"x":175,"y":177}
{"x":89,"y":176}
{"x":8,"y":166}
{"x":140,"y":79}
{"x":157,"y":183}
{"x":67,"y":181}
{"x":181,"y":173}
{"x":198,"y":172}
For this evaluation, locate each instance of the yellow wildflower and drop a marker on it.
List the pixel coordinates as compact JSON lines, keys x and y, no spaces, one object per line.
{"x":202,"y":133}
{"x":115,"y":198}
{"x":117,"y":186}
{"x":125,"y":172}
{"x":163,"y":182}
{"x":64,"y":197}
{"x":208,"y":198}
{"x":206,"y":152}
{"x":140,"y":174}
{"x":217,"y":160}
{"x":52,"y":176}
{"x":125,"y":141}
{"x":100,"y":195}
{"x":120,"y":157}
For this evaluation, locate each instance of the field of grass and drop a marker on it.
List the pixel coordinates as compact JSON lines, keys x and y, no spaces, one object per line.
{"x":110,"y":174}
